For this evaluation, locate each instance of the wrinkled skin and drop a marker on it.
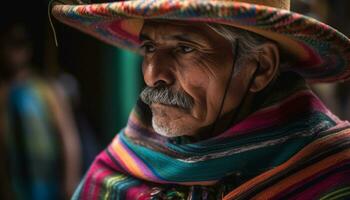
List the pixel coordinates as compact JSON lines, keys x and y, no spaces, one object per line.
{"x":195,"y":59}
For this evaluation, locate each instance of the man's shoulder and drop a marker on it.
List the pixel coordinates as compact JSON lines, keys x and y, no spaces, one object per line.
{"x":319,"y":169}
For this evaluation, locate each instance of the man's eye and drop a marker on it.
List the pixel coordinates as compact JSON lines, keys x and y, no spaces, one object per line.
{"x":148,"y":48}
{"x":186,"y":49}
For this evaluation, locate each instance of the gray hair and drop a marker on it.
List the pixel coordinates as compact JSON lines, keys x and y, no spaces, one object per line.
{"x":248,"y":41}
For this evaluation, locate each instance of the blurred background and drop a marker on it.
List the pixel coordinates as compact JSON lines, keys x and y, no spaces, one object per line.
{"x":60,"y":106}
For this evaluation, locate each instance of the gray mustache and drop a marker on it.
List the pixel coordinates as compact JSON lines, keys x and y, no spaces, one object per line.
{"x":165,"y":95}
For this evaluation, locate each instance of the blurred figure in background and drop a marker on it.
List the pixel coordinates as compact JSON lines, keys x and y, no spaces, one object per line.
{"x":70,"y":89}
{"x":40,"y":147}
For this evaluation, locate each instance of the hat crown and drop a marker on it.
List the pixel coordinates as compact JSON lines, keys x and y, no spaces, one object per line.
{"x":281,"y":4}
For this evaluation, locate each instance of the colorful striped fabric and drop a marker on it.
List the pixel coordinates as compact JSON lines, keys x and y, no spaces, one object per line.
{"x":293,"y":147}
{"x":320,"y":53}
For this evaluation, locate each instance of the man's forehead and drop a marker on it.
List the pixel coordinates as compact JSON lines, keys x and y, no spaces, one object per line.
{"x":174,"y":30}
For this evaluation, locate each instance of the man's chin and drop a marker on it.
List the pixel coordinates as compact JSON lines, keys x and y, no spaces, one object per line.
{"x":165,"y":129}
{"x":170,"y":121}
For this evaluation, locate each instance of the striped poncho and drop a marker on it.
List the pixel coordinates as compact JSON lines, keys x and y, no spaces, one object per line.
{"x":292,"y":147}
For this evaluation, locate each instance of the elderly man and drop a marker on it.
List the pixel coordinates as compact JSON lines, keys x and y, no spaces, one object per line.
{"x":226,"y":113}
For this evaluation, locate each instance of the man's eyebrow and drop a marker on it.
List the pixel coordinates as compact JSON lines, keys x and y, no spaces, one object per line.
{"x":144,"y":37}
{"x":182,"y":37}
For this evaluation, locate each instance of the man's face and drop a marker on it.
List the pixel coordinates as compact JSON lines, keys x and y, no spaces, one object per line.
{"x":195,"y":61}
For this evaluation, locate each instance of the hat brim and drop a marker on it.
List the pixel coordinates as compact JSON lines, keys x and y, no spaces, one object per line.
{"x":316,"y":51}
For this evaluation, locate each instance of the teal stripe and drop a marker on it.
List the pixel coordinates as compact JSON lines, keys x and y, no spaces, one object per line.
{"x":199,"y":149}
{"x":170,"y":169}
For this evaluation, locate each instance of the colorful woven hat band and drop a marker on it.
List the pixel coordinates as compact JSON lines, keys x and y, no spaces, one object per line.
{"x":319,"y":52}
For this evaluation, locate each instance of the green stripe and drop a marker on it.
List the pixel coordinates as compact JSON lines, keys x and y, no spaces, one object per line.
{"x":110,"y":182}
{"x":335,"y":193}
{"x":341,"y":196}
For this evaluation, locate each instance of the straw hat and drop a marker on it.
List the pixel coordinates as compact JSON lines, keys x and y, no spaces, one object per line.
{"x":318,"y":52}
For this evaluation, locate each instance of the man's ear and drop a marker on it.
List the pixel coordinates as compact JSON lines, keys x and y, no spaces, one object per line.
{"x":268,"y":63}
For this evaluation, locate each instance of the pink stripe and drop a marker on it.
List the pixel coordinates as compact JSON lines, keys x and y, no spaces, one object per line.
{"x":278,"y":114}
{"x":92,"y":188}
{"x":136,"y":192}
{"x":313,"y":60}
{"x":115,"y":28}
{"x":94,"y":168}
{"x":100,"y":165}
{"x":98,"y":182}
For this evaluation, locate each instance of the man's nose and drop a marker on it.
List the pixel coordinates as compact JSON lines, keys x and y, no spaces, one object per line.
{"x":158,"y":70}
